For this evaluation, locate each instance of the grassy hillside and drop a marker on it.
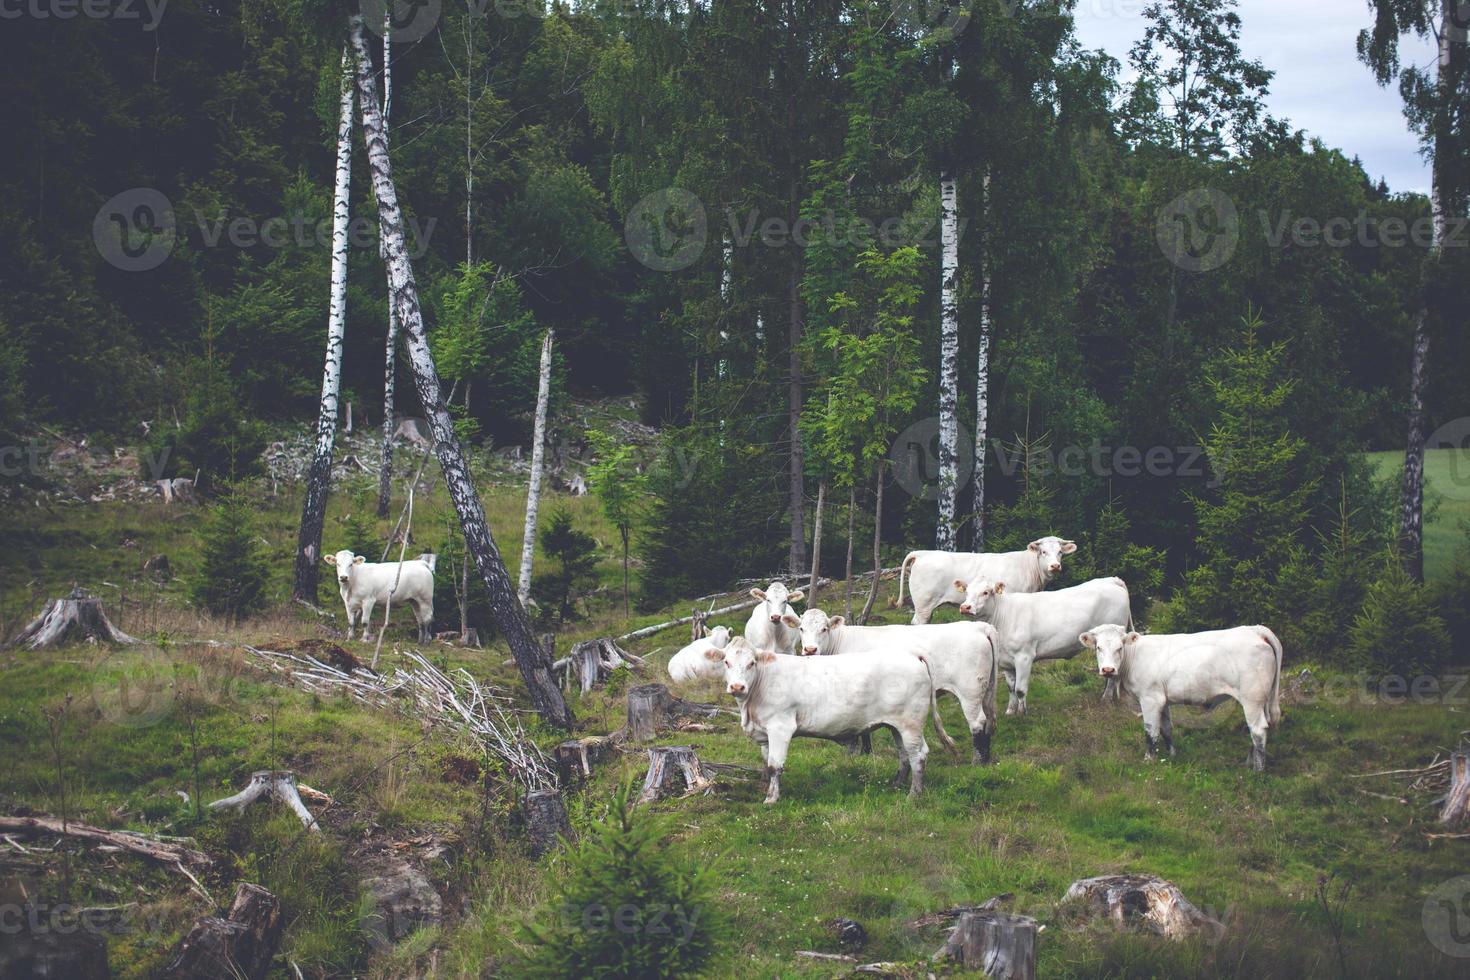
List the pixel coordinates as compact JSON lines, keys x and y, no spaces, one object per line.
{"x":1068,"y":797}
{"x":1447,"y":479}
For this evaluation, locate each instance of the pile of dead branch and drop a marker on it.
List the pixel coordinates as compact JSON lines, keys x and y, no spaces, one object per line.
{"x":1447,"y":777}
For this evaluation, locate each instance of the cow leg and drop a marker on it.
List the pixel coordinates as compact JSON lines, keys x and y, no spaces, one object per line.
{"x":776,"y":746}
{"x":424,"y":613}
{"x":367,"y":616}
{"x":1110,"y":690}
{"x":1153,"y":710}
{"x":981,"y":722}
{"x":1166,"y":728}
{"x":1023,"y":681}
{"x":1259,"y":726}
{"x":354,"y":615}
{"x":1010,"y":675}
{"x":922,"y":612}
{"x":913,"y":750}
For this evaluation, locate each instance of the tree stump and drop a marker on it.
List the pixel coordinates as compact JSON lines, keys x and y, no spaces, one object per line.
{"x":1457,"y":801}
{"x":575,"y":757}
{"x":34,"y":947}
{"x":673,"y":770}
{"x":999,"y":944}
{"x":1148,"y":900}
{"x":268,"y":784}
{"x":77,"y":617}
{"x":593,"y":661}
{"x":180,"y":488}
{"x":239,"y":945}
{"x":158,"y":568}
{"x":651,"y":707}
{"x":546,"y":820}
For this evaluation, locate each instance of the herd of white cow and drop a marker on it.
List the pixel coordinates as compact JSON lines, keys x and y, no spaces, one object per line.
{"x":814,"y":675}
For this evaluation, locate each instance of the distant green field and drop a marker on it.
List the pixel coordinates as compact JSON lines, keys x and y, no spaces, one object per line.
{"x":1447,"y":478}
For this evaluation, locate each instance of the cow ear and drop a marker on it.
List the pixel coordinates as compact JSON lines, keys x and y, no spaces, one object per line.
{"x":757,"y":594}
{"x":963,"y":587}
{"x":1131,"y":638}
{"x":328,"y":560}
{"x":796,"y":596}
{"x":714,"y":654}
{"x":765,"y":657}
{"x":358,"y":560}
{"x":1068,"y":547}
{"x":791,"y":621}
{"x":836,"y":621}
{"x":1034,"y":546}
{"x":1088,"y":640}
{"x":1000,"y":587}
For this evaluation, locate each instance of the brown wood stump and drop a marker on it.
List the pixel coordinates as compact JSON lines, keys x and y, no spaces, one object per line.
{"x":673,"y":770}
{"x":575,"y":757}
{"x":1457,"y":800}
{"x":1146,"y":900}
{"x":78,"y":617}
{"x":998,"y":944}
{"x":651,"y":707}
{"x":546,"y":820}
{"x":240,"y":944}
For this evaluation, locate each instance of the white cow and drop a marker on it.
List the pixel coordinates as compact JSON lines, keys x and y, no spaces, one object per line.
{"x":1032,"y":626}
{"x":1201,"y":669}
{"x":961,"y":656}
{"x":364,"y":583}
{"x":764,"y":629}
{"x":837,"y":698}
{"x":932,"y":574}
{"x":691,"y":663}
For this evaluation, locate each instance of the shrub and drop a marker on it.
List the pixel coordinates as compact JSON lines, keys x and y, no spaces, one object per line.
{"x":625,"y":907}
{"x":1452,"y":597}
{"x":575,"y":555}
{"x":1398,"y":630}
{"x":231,"y":580}
{"x":212,"y":437}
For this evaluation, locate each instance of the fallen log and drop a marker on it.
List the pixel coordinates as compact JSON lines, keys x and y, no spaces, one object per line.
{"x":240,"y":944}
{"x":651,"y":707}
{"x":134,"y":842}
{"x":951,"y":914}
{"x":685,"y":620}
{"x":1148,"y":900}
{"x":77,"y":617}
{"x":998,"y":944}
{"x":269,"y":784}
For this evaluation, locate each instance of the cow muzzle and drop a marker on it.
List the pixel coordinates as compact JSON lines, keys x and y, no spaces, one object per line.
{"x":966,"y":610}
{"x":809,"y":651}
{"x":737,"y":689}
{"x":1055,"y":567}
{"x":1107,"y":671}
{"x":343,"y":579}
{"x":775,"y":619}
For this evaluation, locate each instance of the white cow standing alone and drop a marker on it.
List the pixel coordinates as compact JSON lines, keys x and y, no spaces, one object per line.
{"x":934,"y":573}
{"x":961,"y":656}
{"x":1032,"y":626}
{"x":363,"y":584}
{"x":691,"y":662}
{"x":1202,"y":669}
{"x":837,"y":698}
{"x":765,"y":629}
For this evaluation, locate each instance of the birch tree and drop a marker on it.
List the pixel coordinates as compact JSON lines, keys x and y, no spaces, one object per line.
{"x":510,"y":615}
{"x":982,"y":367}
{"x":949,"y":361}
{"x":538,"y":452}
{"x":390,"y":354}
{"x":319,"y":478}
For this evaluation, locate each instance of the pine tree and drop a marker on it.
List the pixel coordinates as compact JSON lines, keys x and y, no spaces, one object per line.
{"x":575,"y":554}
{"x":232,"y":576}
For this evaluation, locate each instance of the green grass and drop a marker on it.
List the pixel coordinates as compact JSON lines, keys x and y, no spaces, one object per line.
{"x":1447,"y":503}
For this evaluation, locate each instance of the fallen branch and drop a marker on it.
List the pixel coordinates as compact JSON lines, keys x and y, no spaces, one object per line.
{"x":144,"y":845}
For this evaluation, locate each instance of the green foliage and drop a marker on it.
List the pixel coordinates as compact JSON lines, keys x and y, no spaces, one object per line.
{"x":575,"y":554}
{"x":359,"y":528}
{"x":1398,"y":630}
{"x":626,"y":906}
{"x":617,"y":480}
{"x":1105,"y":550}
{"x":214,"y":437}
{"x":231,"y":580}
{"x":1452,"y":599}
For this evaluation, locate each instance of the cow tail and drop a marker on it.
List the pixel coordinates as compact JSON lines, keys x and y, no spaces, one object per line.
{"x":934,"y":710}
{"x":1274,"y":708}
{"x":902,"y":570}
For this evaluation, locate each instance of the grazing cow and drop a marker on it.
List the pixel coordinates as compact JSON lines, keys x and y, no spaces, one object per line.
{"x":1032,"y":626}
{"x":764,"y":630}
{"x":363,"y":584}
{"x":836,"y":698}
{"x":962,"y":660}
{"x":932,"y":574}
{"x":691,"y":662}
{"x":1201,"y":669}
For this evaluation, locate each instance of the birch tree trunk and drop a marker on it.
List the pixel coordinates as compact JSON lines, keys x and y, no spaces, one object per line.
{"x":851,"y":533}
{"x":982,"y":368}
{"x":949,"y":362}
{"x":390,"y":356}
{"x":319,"y":478}
{"x":510,"y":616}
{"x":1411,"y":516}
{"x":877,"y":545}
{"x":538,"y":450}
{"x":811,"y":589}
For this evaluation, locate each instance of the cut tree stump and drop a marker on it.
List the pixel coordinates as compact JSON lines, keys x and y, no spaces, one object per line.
{"x":546,"y":820}
{"x":593,"y":661}
{"x":673,"y":770}
{"x":1147,"y":900}
{"x":270,"y":784}
{"x":1457,"y":800}
{"x":241,"y":944}
{"x":998,"y":944}
{"x":180,"y":489}
{"x":651,"y":707}
{"x":575,"y":757}
{"x":77,"y":617}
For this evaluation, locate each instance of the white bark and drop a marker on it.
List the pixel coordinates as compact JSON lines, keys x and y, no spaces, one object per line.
{"x":982,"y":368}
{"x":538,"y":452}
{"x":949,"y":362}
{"x":390,"y":356}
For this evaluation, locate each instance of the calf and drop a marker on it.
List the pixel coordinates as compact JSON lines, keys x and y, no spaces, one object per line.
{"x":1202,"y":669}
{"x":835,"y":698}
{"x":961,"y":656}
{"x":1032,"y":626}
{"x":765,"y":629}
{"x":363,"y":584}
{"x":691,"y":663}
{"x":934,"y":574}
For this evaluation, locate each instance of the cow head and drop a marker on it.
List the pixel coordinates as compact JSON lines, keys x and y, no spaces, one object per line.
{"x":978,"y":596}
{"x":1108,"y":642}
{"x":1048,"y":552}
{"x":719,"y":637}
{"x":742,"y":667}
{"x":343,"y":562}
{"x":774,"y":600}
{"x":816,"y":631}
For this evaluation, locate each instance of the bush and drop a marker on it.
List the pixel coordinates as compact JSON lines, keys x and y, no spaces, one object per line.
{"x":574,"y":552}
{"x":625,"y":907}
{"x":212,"y":438}
{"x":1398,"y":630}
{"x":231,"y":580}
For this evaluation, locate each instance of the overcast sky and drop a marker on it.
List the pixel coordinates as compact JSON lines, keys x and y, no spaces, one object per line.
{"x":1320,"y":85}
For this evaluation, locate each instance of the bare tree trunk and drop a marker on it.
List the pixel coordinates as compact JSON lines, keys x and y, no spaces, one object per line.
{"x":851,"y":525}
{"x":811,"y":589}
{"x":877,"y":546}
{"x":982,"y":369}
{"x":510,"y":616}
{"x":797,"y":498}
{"x":538,"y":453}
{"x":390,"y":356}
{"x":318,"y":483}
{"x":949,"y":362}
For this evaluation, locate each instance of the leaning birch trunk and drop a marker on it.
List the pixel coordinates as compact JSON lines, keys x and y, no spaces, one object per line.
{"x":1411,"y":516}
{"x":982,"y":369}
{"x":314,"y":510}
{"x":538,"y":453}
{"x":949,"y":362}
{"x":510,"y":616}
{"x":390,"y":353}
{"x":811,"y":589}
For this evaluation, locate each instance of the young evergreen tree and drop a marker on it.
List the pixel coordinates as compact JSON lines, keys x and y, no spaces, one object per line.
{"x":575,"y":554}
{"x":615,"y":478}
{"x":232,"y":575}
